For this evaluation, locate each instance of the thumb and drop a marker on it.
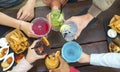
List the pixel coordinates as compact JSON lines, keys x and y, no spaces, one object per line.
{"x":77,"y":35}
{"x":42,"y":56}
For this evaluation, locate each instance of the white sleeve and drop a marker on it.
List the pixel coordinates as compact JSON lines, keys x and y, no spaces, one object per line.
{"x":106,"y":59}
{"x":22,"y":66}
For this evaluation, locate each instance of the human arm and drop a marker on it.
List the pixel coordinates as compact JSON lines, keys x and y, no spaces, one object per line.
{"x":103,"y":59}
{"x":12,"y":22}
{"x":26,"y":13}
{"x":97,"y":7}
{"x":26,"y":63}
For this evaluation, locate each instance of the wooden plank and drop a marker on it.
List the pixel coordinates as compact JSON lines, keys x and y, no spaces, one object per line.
{"x":97,"y":69}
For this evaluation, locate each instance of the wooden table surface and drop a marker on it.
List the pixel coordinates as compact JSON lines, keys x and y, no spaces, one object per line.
{"x":92,"y":38}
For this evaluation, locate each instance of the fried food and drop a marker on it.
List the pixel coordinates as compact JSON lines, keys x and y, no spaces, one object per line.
{"x":5,"y":64}
{"x":45,"y":41}
{"x":9,"y":60}
{"x":17,"y":41}
{"x":3,"y":52}
{"x":114,"y":48}
{"x":115,"y":23}
{"x":19,"y":57}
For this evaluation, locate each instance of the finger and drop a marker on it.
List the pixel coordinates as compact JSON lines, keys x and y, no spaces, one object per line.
{"x":26,"y":17}
{"x":70,"y":19}
{"x":77,"y":35}
{"x":34,"y":35}
{"x":42,"y":56}
{"x":22,"y":17}
{"x":19,"y":14}
{"x":48,"y":17}
{"x":30,"y":18}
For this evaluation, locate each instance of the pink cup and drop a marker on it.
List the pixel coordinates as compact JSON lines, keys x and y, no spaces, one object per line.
{"x":41,"y":26}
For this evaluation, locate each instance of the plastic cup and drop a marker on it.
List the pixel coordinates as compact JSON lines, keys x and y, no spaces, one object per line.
{"x":69,"y":30}
{"x":41,"y":26}
{"x":71,"y":51}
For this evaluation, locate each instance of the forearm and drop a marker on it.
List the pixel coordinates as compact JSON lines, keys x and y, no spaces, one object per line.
{"x":22,"y":66}
{"x":100,"y":5}
{"x":9,"y":21}
{"x":106,"y":59}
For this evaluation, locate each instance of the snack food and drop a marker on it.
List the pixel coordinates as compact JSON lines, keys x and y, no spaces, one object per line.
{"x":8,"y":62}
{"x":115,"y":23}
{"x":3,"y":52}
{"x":45,"y":41}
{"x":19,"y":57}
{"x":17,"y":41}
{"x":114,"y":48}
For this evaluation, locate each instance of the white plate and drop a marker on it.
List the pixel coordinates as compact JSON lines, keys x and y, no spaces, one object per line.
{"x":10,"y":55}
{"x":6,"y":52}
{"x":3,"y":42}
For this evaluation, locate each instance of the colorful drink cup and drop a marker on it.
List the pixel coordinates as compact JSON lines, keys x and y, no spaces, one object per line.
{"x":52,"y":61}
{"x":41,"y":26}
{"x":57,"y":19}
{"x":71,"y":51}
{"x":68,"y":30}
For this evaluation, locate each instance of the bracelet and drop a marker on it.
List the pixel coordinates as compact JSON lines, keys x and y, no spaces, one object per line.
{"x":20,"y":23}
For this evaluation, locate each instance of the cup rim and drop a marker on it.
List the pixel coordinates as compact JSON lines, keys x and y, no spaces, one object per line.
{"x":79,"y":50}
{"x":41,"y":18}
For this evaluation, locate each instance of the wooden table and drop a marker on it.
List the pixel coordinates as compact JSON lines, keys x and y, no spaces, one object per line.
{"x":92,"y":38}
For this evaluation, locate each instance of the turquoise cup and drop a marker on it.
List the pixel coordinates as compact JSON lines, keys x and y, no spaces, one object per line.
{"x":71,"y":51}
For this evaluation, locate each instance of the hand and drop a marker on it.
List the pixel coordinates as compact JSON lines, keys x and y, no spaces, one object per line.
{"x":85,"y":58}
{"x":26,"y":13}
{"x":32,"y":56}
{"x":63,"y":67}
{"x":81,"y":22}
{"x":27,"y":28}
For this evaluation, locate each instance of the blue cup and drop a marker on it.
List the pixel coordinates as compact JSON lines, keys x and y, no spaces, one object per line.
{"x":71,"y":51}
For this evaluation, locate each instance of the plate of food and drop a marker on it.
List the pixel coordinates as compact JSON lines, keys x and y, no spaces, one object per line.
{"x":3,"y":42}
{"x":4,"y":52}
{"x":8,"y":62}
{"x":112,"y":28}
{"x":18,"y":41}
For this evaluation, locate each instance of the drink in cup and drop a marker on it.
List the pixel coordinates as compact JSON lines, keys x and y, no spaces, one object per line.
{"x":57,"y":19}
{"x":71,"y":51}
{"x":52,"y":61}
{"x":41,"y":26}
{"x":68,"y":30}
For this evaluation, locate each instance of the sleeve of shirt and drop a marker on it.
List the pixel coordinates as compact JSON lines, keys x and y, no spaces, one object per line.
{"x":100,"y":5}
{"x":22,"y":66}
{"x":106,"y":59}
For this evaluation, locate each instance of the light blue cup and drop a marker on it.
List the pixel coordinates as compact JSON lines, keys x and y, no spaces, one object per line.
{"x":71,"y":51}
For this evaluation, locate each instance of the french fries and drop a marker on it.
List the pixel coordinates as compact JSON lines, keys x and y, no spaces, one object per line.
{"x":115,"y":23}
{"x":17,"y":41}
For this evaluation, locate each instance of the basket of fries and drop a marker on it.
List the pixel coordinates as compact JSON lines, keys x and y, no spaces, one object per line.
{"x":17,"y":41}
{"x":115,"y":23}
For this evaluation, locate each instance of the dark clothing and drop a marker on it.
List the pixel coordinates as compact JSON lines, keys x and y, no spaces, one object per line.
{"x":72,"y":0}
{"x":9,"y":3}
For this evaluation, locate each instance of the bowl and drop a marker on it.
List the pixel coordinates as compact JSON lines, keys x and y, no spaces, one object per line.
{"x":6,"y":60}
{"x":3,"y":42}
{"x":4,"y":52}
